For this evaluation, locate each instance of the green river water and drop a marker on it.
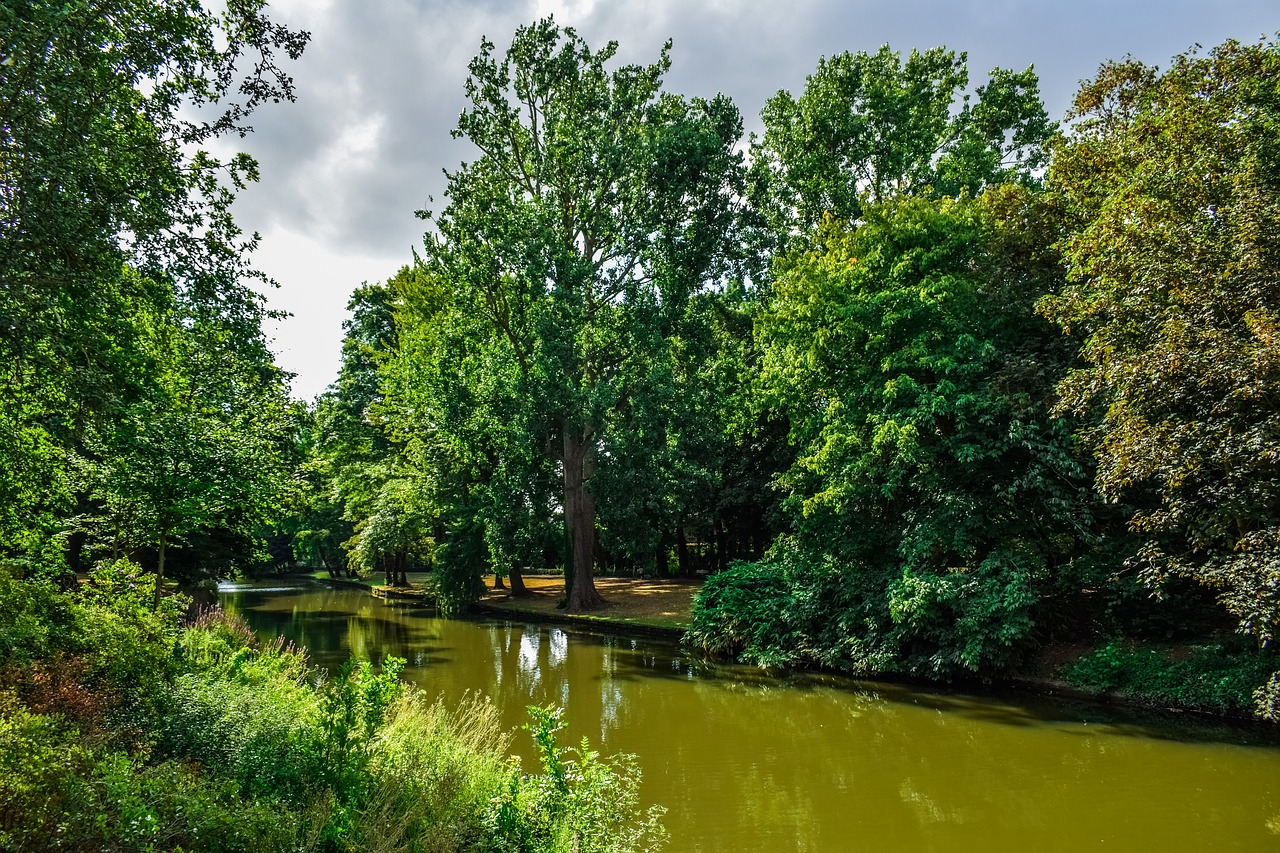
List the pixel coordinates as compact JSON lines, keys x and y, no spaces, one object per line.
{"x":746,"y":762}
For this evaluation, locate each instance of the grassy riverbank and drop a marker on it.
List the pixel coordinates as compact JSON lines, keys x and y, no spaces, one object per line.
{"x":123,"y":727}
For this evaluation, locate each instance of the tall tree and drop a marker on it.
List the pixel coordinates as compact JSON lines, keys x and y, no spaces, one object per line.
{"x":110,"y":207}
{"x":598,"y":205}
{"x":1173,"y":180}
{"x":931,"y":476}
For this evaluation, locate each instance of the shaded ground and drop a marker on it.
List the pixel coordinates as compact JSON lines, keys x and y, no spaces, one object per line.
{"x":662,"y":604}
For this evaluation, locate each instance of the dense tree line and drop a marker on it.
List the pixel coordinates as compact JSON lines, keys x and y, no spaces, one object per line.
{"x":143,"y":414}
{"x":923,"y":379}
{"x":146,"y":437}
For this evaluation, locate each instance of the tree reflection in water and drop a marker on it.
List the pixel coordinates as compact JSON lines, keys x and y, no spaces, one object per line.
{"x":746,"y":761}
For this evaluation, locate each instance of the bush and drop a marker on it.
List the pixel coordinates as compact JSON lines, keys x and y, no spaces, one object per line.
{"x":577,"y":802}
{"x":30,"y":613}
{"x":61,"y":793}
{"x":743,"y":613}
{"x":1230,"y":676}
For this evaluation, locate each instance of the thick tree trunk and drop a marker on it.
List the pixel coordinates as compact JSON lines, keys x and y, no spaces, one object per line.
{"x":518,"y":589}
{"x":580,"y":521}
{"x":682,"y":553}
{"x":497,"y":581}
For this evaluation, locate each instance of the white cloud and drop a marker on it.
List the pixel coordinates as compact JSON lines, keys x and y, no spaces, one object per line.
{"x":380,"y":87}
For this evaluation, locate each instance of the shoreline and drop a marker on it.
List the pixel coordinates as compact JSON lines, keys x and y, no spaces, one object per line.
{"x":1052,"y":689}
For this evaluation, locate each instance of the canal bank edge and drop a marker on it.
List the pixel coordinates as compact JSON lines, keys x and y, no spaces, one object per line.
{"x":1046,"y":686}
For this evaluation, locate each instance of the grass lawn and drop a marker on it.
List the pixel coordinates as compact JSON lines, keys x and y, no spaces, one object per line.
{"x":649,"y":603}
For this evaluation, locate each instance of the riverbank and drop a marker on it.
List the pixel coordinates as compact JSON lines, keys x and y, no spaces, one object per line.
{"x":662,"y":608}
{"x":654,"y":607}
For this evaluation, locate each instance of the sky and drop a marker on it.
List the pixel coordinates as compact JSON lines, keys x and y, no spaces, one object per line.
{"x":380,"y":88}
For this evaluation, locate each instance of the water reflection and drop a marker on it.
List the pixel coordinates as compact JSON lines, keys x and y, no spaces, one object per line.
{"x":746,"y":762}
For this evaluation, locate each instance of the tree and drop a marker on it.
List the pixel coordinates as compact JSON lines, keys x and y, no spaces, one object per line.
{"x":110,"y":208}
{"x":1172,"y":181}
{"x":931,"y":479}
{"x":598,"y":205}
{"x":870,"y":126}
{"x":209,"y":446}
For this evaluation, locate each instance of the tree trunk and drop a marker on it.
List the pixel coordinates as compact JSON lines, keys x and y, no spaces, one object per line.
{"x":682,"y":552}
{"x":722,"y":546}
{"x":580,"y":521}
{"x":155,"y":605}
{"x":497,"y":581}
{"x":518,"y":589}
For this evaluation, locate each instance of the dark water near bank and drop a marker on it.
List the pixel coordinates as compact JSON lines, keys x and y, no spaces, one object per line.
{"x":748,"y":763}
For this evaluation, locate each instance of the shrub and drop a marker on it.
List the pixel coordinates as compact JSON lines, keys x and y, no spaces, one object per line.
{"x":578,"y":802}
{"x":248,"y":710}
{"x":1230,"y":676}
{"x":743,"y":613}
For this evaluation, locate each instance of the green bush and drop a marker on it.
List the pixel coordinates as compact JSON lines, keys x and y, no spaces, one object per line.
{"x":1231,"y":676}
{"x":578,"y":802}
{"x":121,"y":730}
{"x":743,"y":613}
{"x":30,"y":613}
{"x":797,"y":608}
{"x":60,"y":792}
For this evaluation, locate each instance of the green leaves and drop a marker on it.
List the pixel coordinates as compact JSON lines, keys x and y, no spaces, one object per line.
{"x":114,"y":222}
{"x":572,"y":246}
{"x":1171,"y":178}
{"x":871,"y":126}
{"x":906,"y":353}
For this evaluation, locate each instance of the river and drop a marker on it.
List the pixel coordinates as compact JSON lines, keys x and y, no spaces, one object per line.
{"x":746,"y":762}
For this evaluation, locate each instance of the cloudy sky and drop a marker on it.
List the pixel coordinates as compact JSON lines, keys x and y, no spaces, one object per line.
{"x":380,"y":88}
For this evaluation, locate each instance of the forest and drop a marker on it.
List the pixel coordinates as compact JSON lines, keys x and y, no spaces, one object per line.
{"x":920,"y":380}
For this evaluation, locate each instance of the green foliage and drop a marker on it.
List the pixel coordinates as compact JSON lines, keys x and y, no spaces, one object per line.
{"x":871,"y":126}
{"x":1224,"y":677}
{"x":434,"y":774}
{"x":249,"y":712}
{"x":1173,"y":291}
{"x":115,"y":215}
{"x":128,"y":644}
{"x":119,"y":730}
{"x":62,"y":791}
{"x":577,"y":802}
{"x":569,"y":249}
{"x":933,"y":493}
{"x":745,"y":613}
{"x":28,"y":618}
{"x":1170,"y":181}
